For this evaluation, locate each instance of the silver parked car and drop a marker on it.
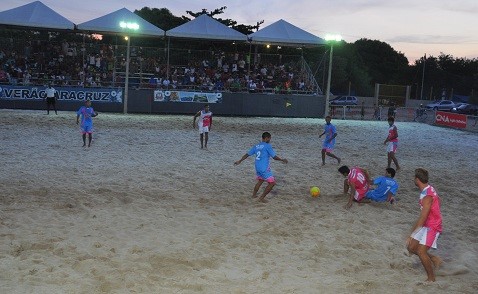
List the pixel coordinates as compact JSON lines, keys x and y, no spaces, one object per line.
{"x":446,"y":105}
{"x":344,"y":100}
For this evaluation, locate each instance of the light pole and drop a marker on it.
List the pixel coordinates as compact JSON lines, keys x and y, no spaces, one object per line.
{"x":130,"y":27}
{"x":126,"y":81}
{"x":332,"y":39}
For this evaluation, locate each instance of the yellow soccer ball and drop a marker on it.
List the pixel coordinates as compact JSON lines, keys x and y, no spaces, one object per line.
{"x":314,"y":191}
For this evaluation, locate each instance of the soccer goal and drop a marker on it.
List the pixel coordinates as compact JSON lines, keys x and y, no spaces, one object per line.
{"x":387,"y":95}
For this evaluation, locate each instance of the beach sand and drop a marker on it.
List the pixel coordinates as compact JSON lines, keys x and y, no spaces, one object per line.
{"x":145,"y":210}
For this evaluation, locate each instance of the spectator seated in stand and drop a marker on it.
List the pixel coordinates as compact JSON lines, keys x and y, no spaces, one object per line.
{"x":219,"y":85}
{"x":93,"y":64}
{"x":153,"y":82}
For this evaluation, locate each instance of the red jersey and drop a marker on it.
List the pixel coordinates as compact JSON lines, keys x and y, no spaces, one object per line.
{"x":393,"y":133}
{"x":205,"y":119}
{"x":358,"y":178}
{"x":434,"y":219}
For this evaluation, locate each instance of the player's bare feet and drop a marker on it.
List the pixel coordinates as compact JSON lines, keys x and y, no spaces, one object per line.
{"x":263,"y":200}
{"x":254,"y":196}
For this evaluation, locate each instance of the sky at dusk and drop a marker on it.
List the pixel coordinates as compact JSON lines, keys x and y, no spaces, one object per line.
{"x":412,"y":27}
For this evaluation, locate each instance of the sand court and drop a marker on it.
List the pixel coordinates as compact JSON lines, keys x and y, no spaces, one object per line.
{"x":145,"y":210}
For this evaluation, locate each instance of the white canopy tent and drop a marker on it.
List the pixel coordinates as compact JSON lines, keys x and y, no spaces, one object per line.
{"x":35,"y":15}
{"x":206,"y":27}
{"x":111,"y":23}
{"x":283,"y":33}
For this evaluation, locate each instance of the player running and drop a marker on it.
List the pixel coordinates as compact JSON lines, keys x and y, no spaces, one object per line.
{"x":330,"y":133}
{"x":262,"y":152}
{"x":428,"y":227}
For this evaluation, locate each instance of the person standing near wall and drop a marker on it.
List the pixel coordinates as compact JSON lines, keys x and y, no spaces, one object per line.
{"x":204,"y":124}
{"x":376,"y":112}
{"x":362,"y":110}
{"x":51,"y":95}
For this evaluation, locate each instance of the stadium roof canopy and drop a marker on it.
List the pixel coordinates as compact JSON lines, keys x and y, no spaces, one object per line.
{"x":118,"y":22}
{"x":35,"y":15}
{"x":283,"y":33}
{"x":206,"y":27}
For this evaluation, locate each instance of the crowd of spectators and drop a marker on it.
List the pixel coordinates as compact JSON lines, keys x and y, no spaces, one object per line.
{"x":62,"y":64}
{"x":101,"y":65}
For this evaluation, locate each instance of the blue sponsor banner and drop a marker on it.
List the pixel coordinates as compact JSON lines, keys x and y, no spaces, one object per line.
{"x":64,"y":93}
{"x":185,"y":96}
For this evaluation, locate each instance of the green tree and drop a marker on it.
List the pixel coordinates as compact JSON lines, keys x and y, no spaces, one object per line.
{"x":384,"y":64}
{"x":161,"y":17}
{"x":243,"y":28}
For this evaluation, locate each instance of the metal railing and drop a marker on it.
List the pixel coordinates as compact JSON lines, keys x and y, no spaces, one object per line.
{"x":405,"y":114}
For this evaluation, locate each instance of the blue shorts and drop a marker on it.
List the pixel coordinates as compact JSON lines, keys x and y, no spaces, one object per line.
{"x":375,"y":196}
{"x":328,"y":147}
{"x":265,"y":176}
{"x":86,"y":128}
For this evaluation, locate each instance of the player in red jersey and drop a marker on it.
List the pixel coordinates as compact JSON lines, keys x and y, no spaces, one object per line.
{"x":392,"y":140}
{"x":428,"y":227}
{"x":357,"y":181}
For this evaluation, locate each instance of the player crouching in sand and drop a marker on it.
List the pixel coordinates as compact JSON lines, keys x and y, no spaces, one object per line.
{"x":357,"y":181}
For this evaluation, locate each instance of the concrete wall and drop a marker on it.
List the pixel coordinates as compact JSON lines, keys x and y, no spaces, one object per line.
{"x":237,"y":104}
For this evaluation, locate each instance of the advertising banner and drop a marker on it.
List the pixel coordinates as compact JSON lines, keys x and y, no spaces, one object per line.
{"x":450,"y":119}
{"x":185,"y":96}
{"x":64,"y":93}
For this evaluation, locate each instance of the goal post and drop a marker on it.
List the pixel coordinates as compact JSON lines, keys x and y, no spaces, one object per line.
{"x":397,"y":95}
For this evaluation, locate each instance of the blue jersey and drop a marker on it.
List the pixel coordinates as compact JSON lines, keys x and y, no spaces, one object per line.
{"x":86,"y":114}
{"x":329,"y":133}
{"x":262,"y":151}
{"x":384,"y":185}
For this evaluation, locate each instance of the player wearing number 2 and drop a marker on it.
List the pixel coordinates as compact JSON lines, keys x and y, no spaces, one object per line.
{"x":262,"y":152}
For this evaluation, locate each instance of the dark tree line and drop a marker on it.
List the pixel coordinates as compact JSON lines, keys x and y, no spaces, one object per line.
{"x":362,"y":64}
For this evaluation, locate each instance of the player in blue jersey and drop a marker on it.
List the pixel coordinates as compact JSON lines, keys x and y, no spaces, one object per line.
{"x":262,"y":152}
{"x":330,"y":133}
{"x":386,"y":187}
{"x":86,"y":113}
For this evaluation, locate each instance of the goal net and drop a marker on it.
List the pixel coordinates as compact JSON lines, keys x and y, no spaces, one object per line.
{"x":391,"y":94}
